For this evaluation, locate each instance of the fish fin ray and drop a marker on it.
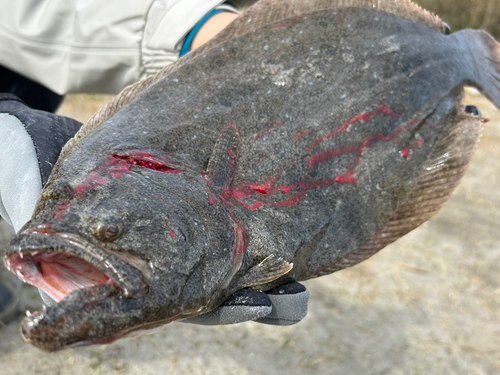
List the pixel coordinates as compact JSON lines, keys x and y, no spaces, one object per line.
{"x":438,"y":178}
{"x":261,"y":14}
{"x":223,"y":162}
{"x":270,"y":269}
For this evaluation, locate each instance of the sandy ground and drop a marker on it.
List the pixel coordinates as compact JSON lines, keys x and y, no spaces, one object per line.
{"x":428,"y":304}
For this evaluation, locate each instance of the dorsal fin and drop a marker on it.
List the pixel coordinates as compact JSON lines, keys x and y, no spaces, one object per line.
{"x":261,"y":14}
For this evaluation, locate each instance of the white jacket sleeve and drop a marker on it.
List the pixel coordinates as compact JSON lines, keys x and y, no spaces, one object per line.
{"x":94,"y":46}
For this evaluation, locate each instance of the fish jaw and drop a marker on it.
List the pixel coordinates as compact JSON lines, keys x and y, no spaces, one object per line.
{"x":83,"y":279}
{"x":37,"y":252}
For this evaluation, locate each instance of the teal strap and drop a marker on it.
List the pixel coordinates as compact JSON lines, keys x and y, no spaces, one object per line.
{"x":186,"y":46}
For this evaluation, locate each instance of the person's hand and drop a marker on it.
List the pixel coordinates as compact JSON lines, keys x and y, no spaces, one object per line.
{"x":30,"y":143}
{"x":283,"y":306}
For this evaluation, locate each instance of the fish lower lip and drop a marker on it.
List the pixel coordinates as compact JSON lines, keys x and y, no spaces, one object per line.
{"x":60,"y":263}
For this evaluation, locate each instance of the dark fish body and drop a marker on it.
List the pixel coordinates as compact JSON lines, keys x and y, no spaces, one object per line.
{"x":289,"y":152}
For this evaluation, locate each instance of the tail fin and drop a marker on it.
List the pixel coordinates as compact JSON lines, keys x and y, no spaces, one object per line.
{"x":485,"y":52}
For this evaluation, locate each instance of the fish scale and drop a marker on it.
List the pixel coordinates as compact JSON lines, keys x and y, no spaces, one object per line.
{"x":303,"y":139}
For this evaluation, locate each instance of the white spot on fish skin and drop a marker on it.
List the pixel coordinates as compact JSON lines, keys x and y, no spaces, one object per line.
{"x":208,"y":107}
{"x":343,"y":96}
{"x":266,"y":47}
{"x":375,"y":75}
{"x":348,"y":57}
{"x":195,"y":116}
{"x":175,"y":80}
{"x":144,"y":132}
{"x":376,"y":18}
{"x":249,"y":20}
{"x":269,"y":91}
{"x":194,"y":137}
{"x":378,"y":187}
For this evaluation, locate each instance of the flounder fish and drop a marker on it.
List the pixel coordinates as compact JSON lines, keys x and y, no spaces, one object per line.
{"x":303,"y":139}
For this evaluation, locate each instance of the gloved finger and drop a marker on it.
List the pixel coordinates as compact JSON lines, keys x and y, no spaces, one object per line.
{"x":289,"y":303}
{"x":244,"y":305}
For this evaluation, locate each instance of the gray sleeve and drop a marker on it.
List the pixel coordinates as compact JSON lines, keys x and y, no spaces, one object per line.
{"x":94,"y":46}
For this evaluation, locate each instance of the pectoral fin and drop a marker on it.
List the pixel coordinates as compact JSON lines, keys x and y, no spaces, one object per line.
{"x":222,"y":164}
{"x":266,"y":271}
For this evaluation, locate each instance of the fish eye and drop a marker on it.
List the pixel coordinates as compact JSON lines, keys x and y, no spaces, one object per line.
{"x":447,"y":29}
{"x":109,"y":230}
{"x":473,"y":111}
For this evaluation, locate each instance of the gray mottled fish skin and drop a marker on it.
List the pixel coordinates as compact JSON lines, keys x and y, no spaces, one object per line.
{"x":316,"y":141}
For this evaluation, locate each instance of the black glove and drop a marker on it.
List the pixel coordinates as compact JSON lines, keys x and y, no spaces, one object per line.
{"x":30,"y":143}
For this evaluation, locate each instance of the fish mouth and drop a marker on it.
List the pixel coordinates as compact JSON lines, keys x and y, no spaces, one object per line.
{"x":61,"y":263}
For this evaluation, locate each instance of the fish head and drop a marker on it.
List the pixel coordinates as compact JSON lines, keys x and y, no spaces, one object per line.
{"x":123,"y":250}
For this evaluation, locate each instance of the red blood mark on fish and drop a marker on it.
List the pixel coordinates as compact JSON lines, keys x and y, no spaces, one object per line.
{"x":418,"y":143}
{"x":241,"y":240}
{"x":324,"y":156}
{"x":61,"y":210}
{"x":405,"y":153}
{"x":121,"y":168}
{"x":96,"y":179}
{"x":268,"y":130}
{"x":304,"y":133}
{"x":146,"y":160}
{"x":172,"y":234}
{"x":212,"y":200}
{"x":249,"y":190}
{"x":116,"y":165}
{"x":364,"y":117}
{"x":332,"y":154}
{"x":339,"y":18}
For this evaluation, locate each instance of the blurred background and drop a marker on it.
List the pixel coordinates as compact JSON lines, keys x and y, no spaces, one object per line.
{"x":462,"y":14}
{"x":427,"y":304}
